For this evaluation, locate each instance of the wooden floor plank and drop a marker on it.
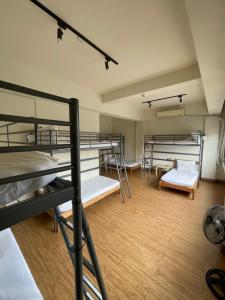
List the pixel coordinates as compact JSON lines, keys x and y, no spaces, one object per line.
{"x":151,"y":247}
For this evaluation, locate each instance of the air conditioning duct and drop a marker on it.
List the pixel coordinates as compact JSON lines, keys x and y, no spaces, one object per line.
{"x":170,"y":113}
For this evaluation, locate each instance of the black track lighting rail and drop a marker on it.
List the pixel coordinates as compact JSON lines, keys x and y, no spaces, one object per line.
{"x":165,"y":98}
{"x":64,"y":25}
{"x":176,"y":96}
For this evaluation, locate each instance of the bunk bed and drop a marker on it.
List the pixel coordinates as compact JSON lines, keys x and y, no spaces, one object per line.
{"x":44,"y":175}
{"x":186,"y":149}
{"x":169,"y":148}
{"x":94,"y":188}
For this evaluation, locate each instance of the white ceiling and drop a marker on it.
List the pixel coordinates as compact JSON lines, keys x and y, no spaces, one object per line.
{"x":193,"y":89}
{"x":147,"y":37}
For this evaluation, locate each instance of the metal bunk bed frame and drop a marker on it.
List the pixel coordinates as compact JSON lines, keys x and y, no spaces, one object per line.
{"x":90,"y":140}
{"x":13,"y":214}
{"x":171,"y":140}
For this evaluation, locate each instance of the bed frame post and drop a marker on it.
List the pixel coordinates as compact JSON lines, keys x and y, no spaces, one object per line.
{"x":76,"y":201}
{"x":201,"y":156}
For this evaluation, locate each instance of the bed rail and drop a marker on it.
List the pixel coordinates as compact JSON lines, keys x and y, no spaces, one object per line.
{"x":13,"y":214}
{"x":177,"y":139}
{"x":55,"y":141}
{"x":158,"y":148}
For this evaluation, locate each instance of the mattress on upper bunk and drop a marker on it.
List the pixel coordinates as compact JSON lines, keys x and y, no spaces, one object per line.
{"x":12,"y":164}
{"x":182,"y":178}
{"x":91,"y":188}
{"x":98,"y":145}
{"x":52,"y":137}
{"x":16,"y":281}
{"x":180,"y":142}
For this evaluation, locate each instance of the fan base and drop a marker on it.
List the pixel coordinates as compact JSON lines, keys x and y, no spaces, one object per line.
{"x":215,"y":279}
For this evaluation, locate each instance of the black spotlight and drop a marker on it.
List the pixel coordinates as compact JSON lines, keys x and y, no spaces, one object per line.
{"x":180,"y":99}
{"x":107,"y":60}
{"x":59,"y":35}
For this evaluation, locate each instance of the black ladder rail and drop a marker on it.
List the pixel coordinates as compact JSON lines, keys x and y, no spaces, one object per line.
{"x":76,"y":201}
{"x":93,"y":267}
{"x":93,"y":256}
{"x":70,"y":247}
{"x":71,"y":250}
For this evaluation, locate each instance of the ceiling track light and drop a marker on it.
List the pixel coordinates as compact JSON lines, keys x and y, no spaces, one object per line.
{"x":180,"y":99}
{"x":59,"y":35}
{"x":63,"y":25}
{"x":107,"y":61}
{"x":60,"y":32}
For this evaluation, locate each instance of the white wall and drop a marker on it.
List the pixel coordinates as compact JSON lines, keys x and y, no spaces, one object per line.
{"x":15,"y":104}
{"x":209,"y":165}
{"x":89,"y":120}
{"x":139,"y":141}
{"x":105,"y":124}
{"x":126,"y":128}
{"x":220,"y":170}
{"x":19,"y":73}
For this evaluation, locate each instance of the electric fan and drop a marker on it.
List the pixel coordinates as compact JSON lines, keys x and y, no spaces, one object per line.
{"x":214,"y":230}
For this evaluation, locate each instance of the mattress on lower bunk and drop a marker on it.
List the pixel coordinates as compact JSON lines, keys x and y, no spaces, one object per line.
{"x":16,"y":281}
{"x":180,"y":178}
{"x":12,"y":164}
{"x":91,"y":188}
{"x":127,"y":163}
{"x":131,"y":164}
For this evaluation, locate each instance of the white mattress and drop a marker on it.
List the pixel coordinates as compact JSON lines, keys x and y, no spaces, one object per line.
{"x":91,"y":188}
{"x":180,"y":178}
{"x":12,"y":164}
{"x":128,"y":164}
{"x":16,"y":281}
{"x":98,"y":145}
{"x":181,"y":142}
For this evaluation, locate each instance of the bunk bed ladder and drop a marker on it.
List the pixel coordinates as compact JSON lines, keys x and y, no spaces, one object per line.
{"x":90,"y":291}
{"x":122,"y":173}
{"x":147,"y":161}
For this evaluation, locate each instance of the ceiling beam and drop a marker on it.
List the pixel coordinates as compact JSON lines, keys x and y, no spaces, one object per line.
{"x":207,"y":20}
{"x":169,"y":79}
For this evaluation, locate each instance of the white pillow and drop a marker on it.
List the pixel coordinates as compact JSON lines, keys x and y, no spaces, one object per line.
{"x":185,"y":162}
{"x":188,"y":169}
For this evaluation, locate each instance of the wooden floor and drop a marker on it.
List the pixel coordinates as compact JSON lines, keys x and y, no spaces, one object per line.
{"x":151,"y":247}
